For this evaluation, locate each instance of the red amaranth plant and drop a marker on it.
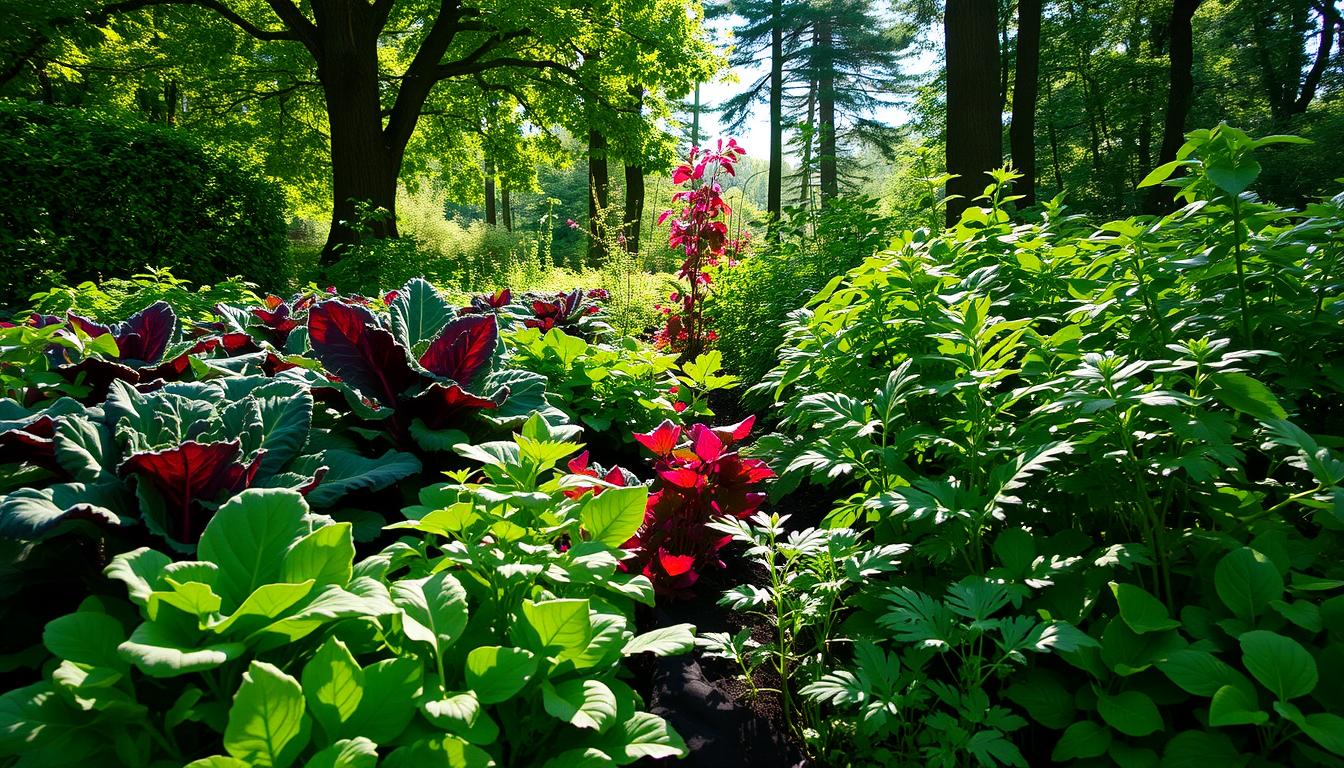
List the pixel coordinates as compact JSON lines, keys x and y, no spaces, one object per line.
{"x":697,"y":480}
{"x":700,"y":232}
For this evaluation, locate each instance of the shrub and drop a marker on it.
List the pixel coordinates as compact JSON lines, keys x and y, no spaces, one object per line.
{"x":751,"y":299}
{"x":83,"y":198}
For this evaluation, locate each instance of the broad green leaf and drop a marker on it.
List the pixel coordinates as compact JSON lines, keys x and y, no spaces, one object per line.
{"x":391,"y":688}
{"x":286,"y":411}
{"x":1200,"y":749}
{"x":348,"y":471}
{"x":615,"y":515}
{"x":581,"y":703}
{"x":559,"y":624}
{"x":268,"y":602}
{"x":326,"y":555}
{"x":191,"y":597}
{"x":1243,"y":393}
{"x":86,"y":637}
{"x":1083,"y":739}
{"x":1044,"y":697}
{"x":1327,"y":730}
{"x":139,"y":570}
{"x":365,"y":597}
{"x":1161,"y":173}
{"x":346,"y":753}
{"x":1141,"y":611}
{"x":434,"y":608}
{"x":267,"y":725}
{"x":1302,"y":613}
{"x":1130,"y":712}
{"x":158,"y":651}
{"x":665,"y":641}
{"x":1201,"y":673}
{"x":1246,"y":581}
{"x":463,"y":715}
{"x":496,"y":673}
{"x":1280,"y":663}
{"x":440,"y":752}
{"x":84,"y":448}
{"x":418,"y":313}
{"x":218,"y":761}
{"x":1233,"y":176}
{"x":248,"y":537}
{"x":333,"y":685}
{"x":1232,"y":705}
{"x":642,"y":735}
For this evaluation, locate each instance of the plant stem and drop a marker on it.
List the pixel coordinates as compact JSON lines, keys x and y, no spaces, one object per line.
{"x":1241,"y":269}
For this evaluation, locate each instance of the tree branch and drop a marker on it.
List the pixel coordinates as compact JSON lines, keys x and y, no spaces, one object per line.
{"x":126,"y":6}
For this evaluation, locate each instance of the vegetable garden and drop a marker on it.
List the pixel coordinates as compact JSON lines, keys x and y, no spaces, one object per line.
{"x":1021,"y":491}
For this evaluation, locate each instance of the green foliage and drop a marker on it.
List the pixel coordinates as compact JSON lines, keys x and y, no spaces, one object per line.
{"x":621,"y":387}
{"x":118,"y":298}
{"x":85,"y":198}
{"x":750,"y":300}
{"x":477,"y":642}
{"x":1088,"y":438}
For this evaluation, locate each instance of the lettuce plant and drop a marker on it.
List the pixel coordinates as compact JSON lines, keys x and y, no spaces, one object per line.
{"x":697,"y":479}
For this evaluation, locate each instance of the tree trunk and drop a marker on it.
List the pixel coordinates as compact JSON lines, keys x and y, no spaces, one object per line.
{"x":695,"y":118}
{"x":505,"y":207}
{"x":974,"y":122}
{"x":598,"y":188}
{"x":809,"y":139}
{"x":1022,"y":133}
{"x":827,"y":169}
{"x":774,"y":179}
{"x":1182,"y":52}
{"x":364,"y":169}
{"x":634,"y":205}
{"x":1323,"y":48}
{"x":491,"y":217}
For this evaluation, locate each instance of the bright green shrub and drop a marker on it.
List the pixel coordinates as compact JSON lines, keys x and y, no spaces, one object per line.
{"x":83,"y":198}
{"x":1095,"y":426}
{"x":750,"y":301}
{"x":118,"y":298}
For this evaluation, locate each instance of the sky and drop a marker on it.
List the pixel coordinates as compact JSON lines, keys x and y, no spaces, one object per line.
{"x":756,"y":134}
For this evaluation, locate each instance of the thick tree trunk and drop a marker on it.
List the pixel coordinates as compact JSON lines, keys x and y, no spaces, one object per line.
{"x":1022,"y":133}
{"x":974,"y":121}
{"x":809,"y":140}
{"x":828,"y":174}
{"x":598,"y":195}
{"x":364,"y":171}
{"x":775,"y":178}
{"x":491,"y":217}
{"x":634,"y":205}
{"x":1181,"y":46}
{"x":505,"y":207}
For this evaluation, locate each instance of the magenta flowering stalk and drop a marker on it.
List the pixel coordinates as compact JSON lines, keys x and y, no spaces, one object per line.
{"x":701,"y":232}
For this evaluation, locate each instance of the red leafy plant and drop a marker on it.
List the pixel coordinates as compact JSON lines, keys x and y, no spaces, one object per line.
{"x":701,"y":232}
{"x":353,"y":345}
{"x":698,"y":477}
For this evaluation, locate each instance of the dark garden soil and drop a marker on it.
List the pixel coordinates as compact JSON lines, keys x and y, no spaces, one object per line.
{"x":705,"y":699}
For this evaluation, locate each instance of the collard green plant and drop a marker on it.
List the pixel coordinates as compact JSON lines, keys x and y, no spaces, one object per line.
{"x":169,"y":457}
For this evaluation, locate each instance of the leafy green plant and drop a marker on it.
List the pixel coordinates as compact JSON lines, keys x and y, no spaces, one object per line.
{"x":809,"y":576}
{"x":188,"y":447}
{"x":619,"y":387}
